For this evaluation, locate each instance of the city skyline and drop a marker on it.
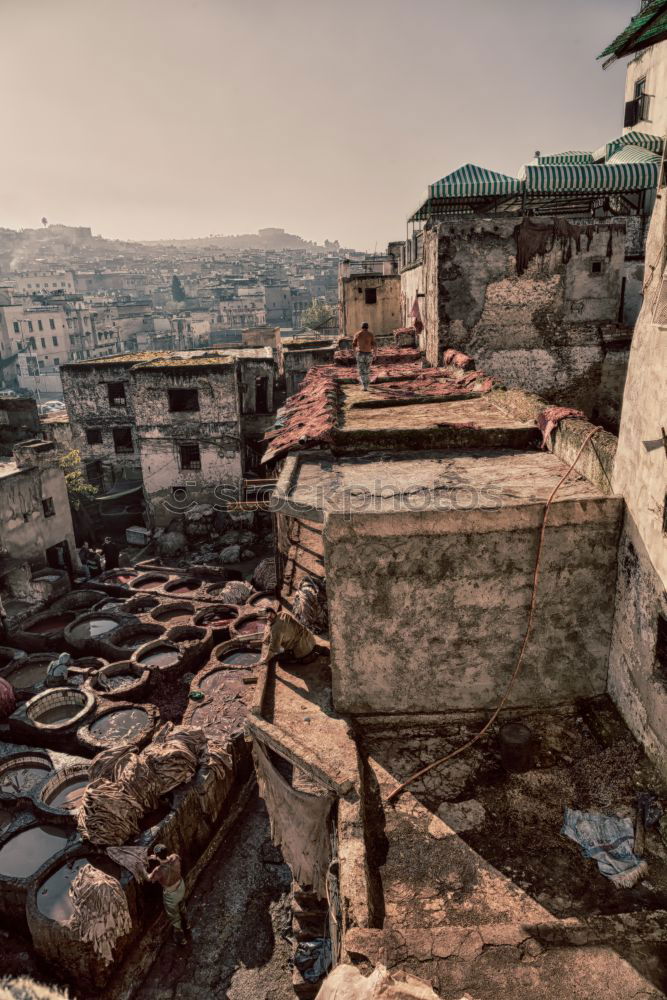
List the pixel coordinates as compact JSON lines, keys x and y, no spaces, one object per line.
{"x":329,"y":123}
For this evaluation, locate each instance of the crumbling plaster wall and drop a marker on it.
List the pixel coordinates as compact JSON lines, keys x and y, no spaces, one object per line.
{"x":383,"y":316}
{"x":637,"y":682}
{"x":160,"y":433}
{"x":25,"y":532}
{"x":85,"y":390}
{"x":428,"y":610}
{"x":412,"y":287}
{"x":250,"y":369}
{"x":541,"y":330}
{"x":297,"y":362}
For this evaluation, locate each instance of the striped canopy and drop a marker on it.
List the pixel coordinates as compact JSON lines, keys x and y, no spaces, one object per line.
{"x":642,"y":139}
{"x":474,"y":182}
{"x":633,"y":154}
{"x":593,"y":177}
{"x":571,"y":156}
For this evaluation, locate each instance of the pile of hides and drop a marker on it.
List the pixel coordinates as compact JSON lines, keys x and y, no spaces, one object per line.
{"x":299,"y":823}
{"x":7,"y":699}
{"x":549,"y":418}
{"x":125,"y":785}
{"x":608,"y":840}
{"x":236,"y":592}
{"x":100,"y":913}
{"x":347,"y":983}
{"x":133,"y":859}
{"x":264,"y":577}
{"x":309,"y":605}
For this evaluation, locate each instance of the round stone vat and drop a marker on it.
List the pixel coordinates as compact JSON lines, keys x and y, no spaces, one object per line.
{"x":63,"y":792}
{"x":23,"y":853}
{"x":7,"y":655}
{"x":130,"y":637}
{"x":91,"y":664}
{"x":159,"y":657}
{"x":264,"y":599}
{"x":78,"y":600}
{"x":48,"y":910}
{"x":124,"y":723}
{"x":218,"y":618}
{"x":22,"y":773}
{"x":227,"y":693}
{"x":174,"y":613}
{"x":183,"y":586}
{"x":43,"y":631}
{"x":123,"y":680}
{"x":109,"y":603}
{"x":248,"y":625}
{"x":194,"y":642}
{"x":141,"y":604}
{"x":121,"y":578}
{"x":27,"y":676}
{"x":230,"y":592}
{"x":59,"y":708}
{"x":90,"y":633}
{"x":150,"y":581}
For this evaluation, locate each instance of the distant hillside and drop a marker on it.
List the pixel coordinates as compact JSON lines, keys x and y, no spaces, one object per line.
{"x":265,"y":239}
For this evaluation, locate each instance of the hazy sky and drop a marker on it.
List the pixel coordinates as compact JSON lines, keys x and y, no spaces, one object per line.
{"x":158,"y":118}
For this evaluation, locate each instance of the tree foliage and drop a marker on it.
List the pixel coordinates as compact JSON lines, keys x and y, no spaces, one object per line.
{"x":78,"y":489}
{"x":317,"y":314}
{"x":177,"y":290}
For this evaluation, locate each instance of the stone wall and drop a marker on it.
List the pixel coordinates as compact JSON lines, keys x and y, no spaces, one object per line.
{"x":637,"y":680}
{"x":26,"y":532}
{"x":170,"y":489}
{"x":541,"y":329}
{"x":428,"y":610}
{"x":383,"y":316}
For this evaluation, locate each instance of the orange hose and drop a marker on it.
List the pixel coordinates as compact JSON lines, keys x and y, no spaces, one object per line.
{"x":524,"y":644}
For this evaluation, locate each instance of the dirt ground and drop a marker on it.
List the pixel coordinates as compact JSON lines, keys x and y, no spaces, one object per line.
{"x":239,"y":913}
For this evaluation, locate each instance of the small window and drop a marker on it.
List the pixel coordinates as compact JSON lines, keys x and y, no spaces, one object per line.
{"x":42,"y":365}
{"x":183,"y":400}
{"x":370,"y":296}
{"x":31,"y":344}
{"x":17,"y":328}
{"x":597,"y":267}
{"x":56,"y":361}
{"x":43,"y":341}
{"x":640,"y":87}
{"x":189,"y":456}
{"x":122,"y":440}
{"x":48,"y":507}
{"x":39,"y":325}
{"x":29,"y":326}
{"x":55,"y":341}
{"x":661,"y":646}
{"x":52,"y":324}
{"x":116,"y":393}
{"x":94,"y":435}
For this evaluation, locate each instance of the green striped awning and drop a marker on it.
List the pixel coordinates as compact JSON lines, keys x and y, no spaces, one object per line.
{"x":592,"y":177}
{"x":633,"y":154}
{"x":642,"y":139}
{"x":571,"y":156}
{"x":474,"y":182}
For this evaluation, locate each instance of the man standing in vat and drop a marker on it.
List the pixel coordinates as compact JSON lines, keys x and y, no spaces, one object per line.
{"x":283,"y":631}
{"x":111,"y":552}
{"x":166,"y":871}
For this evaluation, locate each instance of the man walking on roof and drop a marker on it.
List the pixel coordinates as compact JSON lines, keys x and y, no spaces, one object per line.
{"x":365,"y":345}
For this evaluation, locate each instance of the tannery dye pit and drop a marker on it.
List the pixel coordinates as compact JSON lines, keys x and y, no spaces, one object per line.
{"x":25,"y":852}
{"x":120,"y":724}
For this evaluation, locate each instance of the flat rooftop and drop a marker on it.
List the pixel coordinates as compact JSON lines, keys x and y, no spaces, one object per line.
{"x":431,"y":480}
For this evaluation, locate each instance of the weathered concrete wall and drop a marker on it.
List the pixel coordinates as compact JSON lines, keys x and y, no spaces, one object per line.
{"x":383,"y":316}
{"x":650,"y":64}
{"x":540,"y":330}
{"x":25,"y":532}
{"x":214,"y":427}
{"x":85,"y":389}
{"x":428,"y":610}
{"x":19,"y":420}
{"x":249,"y":370}
{"x":636,"y":681}
{"x":412,"y":286}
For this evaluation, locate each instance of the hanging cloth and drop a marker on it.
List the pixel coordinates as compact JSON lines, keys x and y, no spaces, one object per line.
{"x":299,"y":823}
